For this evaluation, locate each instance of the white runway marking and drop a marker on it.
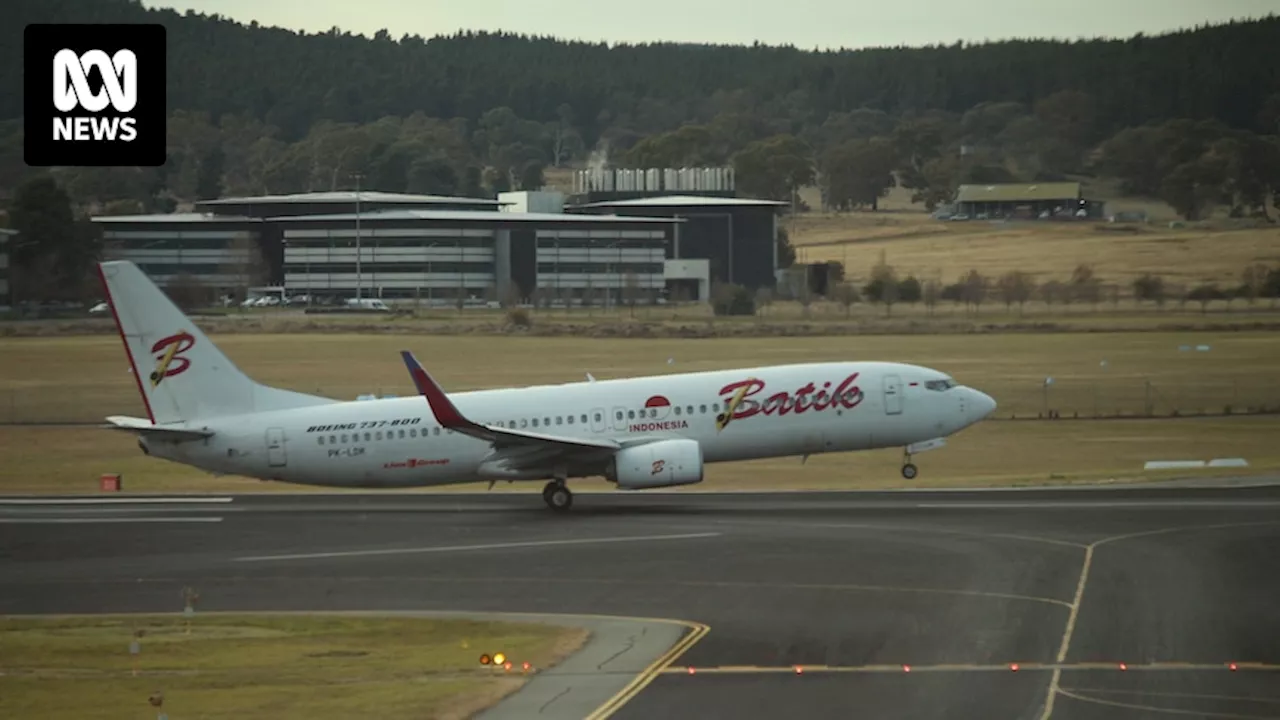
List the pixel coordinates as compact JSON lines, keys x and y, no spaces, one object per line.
{"x":91,"y":519}
{"x":488,"y":546}
{"x":115,"y":501}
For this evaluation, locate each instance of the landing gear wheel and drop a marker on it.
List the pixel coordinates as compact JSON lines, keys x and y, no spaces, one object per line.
{"x":909,"y":471}
{"x":557,"y":496}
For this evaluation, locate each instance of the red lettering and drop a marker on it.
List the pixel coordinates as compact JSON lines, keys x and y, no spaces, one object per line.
{"x":846,"y":395}
{"x":746,"y":407}
{"x":800,"y":398}
{"x":169,"y":356}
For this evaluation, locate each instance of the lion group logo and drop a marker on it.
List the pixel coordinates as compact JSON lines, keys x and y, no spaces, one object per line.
{"x":658,"y":466}
{"x":94,"y":95}
{"x":169,"y":356}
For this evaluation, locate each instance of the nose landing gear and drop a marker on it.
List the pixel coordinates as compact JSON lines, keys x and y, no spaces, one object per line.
{"x":909,"y":471}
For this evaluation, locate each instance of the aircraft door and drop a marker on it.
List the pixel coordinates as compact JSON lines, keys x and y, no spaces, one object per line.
{"x":275,"y":447}
{"x":619,"y":417}
{"x":892,"y":395}
{"x":598,"y":420}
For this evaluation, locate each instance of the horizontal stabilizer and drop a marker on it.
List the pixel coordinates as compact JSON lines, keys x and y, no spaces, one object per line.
{"x":143,"y":426}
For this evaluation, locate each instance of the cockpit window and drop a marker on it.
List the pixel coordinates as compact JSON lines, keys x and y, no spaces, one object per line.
{"x":940,"y":385}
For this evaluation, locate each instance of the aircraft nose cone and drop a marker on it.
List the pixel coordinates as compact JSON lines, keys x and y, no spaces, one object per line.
{"x":982,"y":404}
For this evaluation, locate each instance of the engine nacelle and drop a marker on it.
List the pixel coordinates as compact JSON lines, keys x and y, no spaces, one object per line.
{"x":665,"y":463}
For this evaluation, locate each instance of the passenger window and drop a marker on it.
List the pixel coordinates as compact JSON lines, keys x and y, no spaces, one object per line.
{"x":677,"y":409}
{"x":344,"y":437}
{"x":653,"y":412}
{"x":512,"y":424}
{"x":379,"y":435}
{"x":366,"y":437}
{"x":560,"y":420}
{"x":535,"y":422}
{"x":570,"y":419}
{"x":401,"y":434}
{"x":413,"y":432}
{"x":584,"y":418}
{"x":702,"y":408}
{"x":333,"y":439}
{"x":631,"y":414}
{"x":321,"y":439}
{"x":715,"y":407}
{"x":546,"y":422}
{"x":598,"y":417}
{"x":619,"y":414}
{"x":524,"y":422}
{"x":436,"y":431}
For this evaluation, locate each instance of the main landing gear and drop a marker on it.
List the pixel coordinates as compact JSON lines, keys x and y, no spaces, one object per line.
{"x":557,"y":496}
{"x":909,"y":471}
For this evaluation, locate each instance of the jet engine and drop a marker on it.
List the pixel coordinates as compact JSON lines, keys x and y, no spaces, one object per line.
{"x":665,"y":463}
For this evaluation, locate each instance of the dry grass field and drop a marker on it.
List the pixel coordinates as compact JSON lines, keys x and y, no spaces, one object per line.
{"x":288,"y":666}
{"x":915,"y":243}
{"x":67,"y":379}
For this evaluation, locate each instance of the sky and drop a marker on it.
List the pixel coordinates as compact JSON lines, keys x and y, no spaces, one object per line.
{"x":806,"y":24}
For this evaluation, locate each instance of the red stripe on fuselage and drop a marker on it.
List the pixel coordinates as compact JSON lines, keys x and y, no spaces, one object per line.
{"x":128,"y":353}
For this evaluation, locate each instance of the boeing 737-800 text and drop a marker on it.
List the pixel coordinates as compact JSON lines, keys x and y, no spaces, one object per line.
{"x":645,"y":432}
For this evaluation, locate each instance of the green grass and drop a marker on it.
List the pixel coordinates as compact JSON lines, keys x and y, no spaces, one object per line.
{"x":86,"y":378}
{"x":992,"y":453}
{"x":287,"y":666}
{"x":83,"y":379}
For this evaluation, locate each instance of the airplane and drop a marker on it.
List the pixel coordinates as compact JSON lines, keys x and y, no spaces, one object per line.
{"x":638,"y":433}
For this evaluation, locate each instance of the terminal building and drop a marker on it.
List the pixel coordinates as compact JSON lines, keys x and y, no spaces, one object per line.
{"x":601,"y":247}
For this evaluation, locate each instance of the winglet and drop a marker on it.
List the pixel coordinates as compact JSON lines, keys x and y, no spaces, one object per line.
{"x":444,"y":410}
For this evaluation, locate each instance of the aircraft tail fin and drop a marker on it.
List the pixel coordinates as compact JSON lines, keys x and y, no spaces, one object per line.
{"x":181,"y":375}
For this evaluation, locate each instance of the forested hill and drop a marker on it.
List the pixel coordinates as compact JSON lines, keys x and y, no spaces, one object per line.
{"x":291,"y":80}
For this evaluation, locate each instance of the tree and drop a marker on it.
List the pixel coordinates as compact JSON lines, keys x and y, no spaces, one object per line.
{"x":1055,"y":291}
{"x":975,"y":286}
{"x":1085,"y":286}
{"x":931,"y":293}
{"x":1205,"y":294}
{"x":909,"y":290}
{"x":774,"y":168}
{"x":1149,"y":287}
{"x":1253,"y":280}
{"x":858,"y":173}
{"x":883,"y":286}
{"x":1015,"y":287}
{"x":1271,"y":286}
{"x":764,"y":298}
{"x":845,"y":293}
{"x":53,"y":252}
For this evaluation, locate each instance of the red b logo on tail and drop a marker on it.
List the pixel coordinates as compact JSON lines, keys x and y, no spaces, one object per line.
{"x":168,"y":353}
{"x":658,"y":466}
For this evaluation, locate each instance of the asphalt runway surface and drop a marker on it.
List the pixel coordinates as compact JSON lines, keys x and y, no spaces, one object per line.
{"x":1113,"y":603}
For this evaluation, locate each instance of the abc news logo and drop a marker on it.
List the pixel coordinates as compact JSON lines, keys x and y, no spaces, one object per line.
{"x":107,"y":106}
{"x":71,"y":91}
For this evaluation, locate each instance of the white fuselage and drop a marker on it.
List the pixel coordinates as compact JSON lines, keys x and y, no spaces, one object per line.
{"x":790,"y":410}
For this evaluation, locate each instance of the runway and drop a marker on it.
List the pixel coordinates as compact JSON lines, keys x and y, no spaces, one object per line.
{"x":1112,"y":603}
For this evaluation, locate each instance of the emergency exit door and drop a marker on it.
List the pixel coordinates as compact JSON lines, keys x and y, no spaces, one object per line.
{"x":892,"y":395}
{"x":275,"y":447}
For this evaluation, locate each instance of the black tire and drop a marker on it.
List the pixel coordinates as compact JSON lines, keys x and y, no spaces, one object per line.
{"x":558,"y":497}
{"x":909,"y":471}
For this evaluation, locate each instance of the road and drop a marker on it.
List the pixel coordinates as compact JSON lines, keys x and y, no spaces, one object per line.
{"x":892,"y":604}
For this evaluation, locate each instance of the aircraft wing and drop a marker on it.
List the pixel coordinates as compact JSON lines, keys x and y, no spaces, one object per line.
{"x":144,"y":426}
{"x":503,"y":439}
